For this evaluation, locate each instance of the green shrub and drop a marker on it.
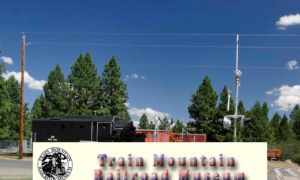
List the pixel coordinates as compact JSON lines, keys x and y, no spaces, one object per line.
{"x":296,"y":159}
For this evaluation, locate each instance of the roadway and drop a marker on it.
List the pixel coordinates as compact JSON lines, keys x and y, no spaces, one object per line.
{"x":287,"y":173}
{"x":278,"y":170}
{"x":15,"y":169}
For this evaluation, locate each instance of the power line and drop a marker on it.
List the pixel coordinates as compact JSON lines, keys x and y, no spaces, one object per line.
{"x":179,"y":66}
{"x":167,"y":34}
{"x":134,"y":34}
{"x":205,"y":66}
{"x":129,"y":45}
{"x":270,"y":47}
{"x":164,"y":45}
{"x":271,"y":35}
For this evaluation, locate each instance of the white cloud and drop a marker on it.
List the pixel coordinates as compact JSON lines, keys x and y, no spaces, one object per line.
{"x":7,"y":60}
{"x":286,"y":97}
{"x":127,"y":104}
{"x":274,"y":91}
{"x":282,"y":28}
{"x":270,"y":92}
{"x":136,"y":123}
{"x":134,"y":76}
{"x":151,"y":113}
{"x":288,"y":20}
{"x":29,"y":81}
{"x":292,"y":64}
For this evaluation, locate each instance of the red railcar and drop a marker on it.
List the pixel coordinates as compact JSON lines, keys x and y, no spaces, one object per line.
{"x":169,"y":136}
{"x":274,"y":154}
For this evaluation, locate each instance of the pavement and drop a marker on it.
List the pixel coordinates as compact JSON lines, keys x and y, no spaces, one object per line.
{"x":15,"y":169}
{"x":287,"y":173}
{"x":283,"y":171}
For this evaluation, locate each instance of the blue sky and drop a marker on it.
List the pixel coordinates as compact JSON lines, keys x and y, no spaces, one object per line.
{"x":160,"y":78}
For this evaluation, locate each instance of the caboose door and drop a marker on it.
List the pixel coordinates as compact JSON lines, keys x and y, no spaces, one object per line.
{"x":104,"y":132}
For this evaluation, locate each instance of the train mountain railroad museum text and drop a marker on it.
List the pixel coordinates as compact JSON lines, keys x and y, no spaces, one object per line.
{"x":199,"y":167}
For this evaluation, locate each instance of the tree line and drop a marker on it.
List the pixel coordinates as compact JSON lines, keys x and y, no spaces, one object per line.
{"x":83,"y":91}
{"x":207,"y":107}
{"x":10,"y":95}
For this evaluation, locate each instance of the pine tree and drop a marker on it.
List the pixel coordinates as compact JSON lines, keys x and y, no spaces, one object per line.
{"x":275,"y":124}
{"x":144,"y":123}
{"x":127,"y":117}
{"x":268,"y":133}
{"x":27,"y":123}
{"x":14,"y":90}
{"x":240,"y":127}
{"x":203,"y":109}
{"x":164,"y":124}
{"x":222,"y":107}
{"x":151,"y":125}
{"x":241,"y":108}
{"x":222,"y":134}
{"x":285,"y":130}
{"x":40,"y":108}
{"x":295,"y":121}
{"x":113,"y":93}
{"x":258,"y":130}
{"x":84,"y":85}
{"x":13,"y":117}
{"x":10,"y":93}
{"x":56,"y":94}
{"x":5,"y":107}
{"x":179,"y":127}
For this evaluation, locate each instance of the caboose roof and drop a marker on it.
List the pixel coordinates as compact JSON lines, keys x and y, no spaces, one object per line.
{"x":80,"y":118}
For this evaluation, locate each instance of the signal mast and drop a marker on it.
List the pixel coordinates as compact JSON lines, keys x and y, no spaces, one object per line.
{"x":235,"y":116}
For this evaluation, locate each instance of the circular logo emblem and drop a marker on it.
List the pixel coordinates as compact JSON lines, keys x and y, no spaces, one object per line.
{"x":55,"y":164}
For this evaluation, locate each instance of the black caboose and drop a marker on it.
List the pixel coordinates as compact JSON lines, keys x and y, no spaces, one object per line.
{"x":83,"y":128}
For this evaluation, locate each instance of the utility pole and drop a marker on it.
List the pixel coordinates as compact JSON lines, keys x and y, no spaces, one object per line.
{"x":155,"y":128}
{"x":237,"y":74}
{"x":22,"y":98}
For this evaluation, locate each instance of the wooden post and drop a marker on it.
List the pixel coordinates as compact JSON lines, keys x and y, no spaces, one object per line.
{"x":22,"y":98}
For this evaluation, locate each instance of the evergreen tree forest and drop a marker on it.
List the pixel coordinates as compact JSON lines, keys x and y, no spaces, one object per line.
{"x":206,"y":107}
{"x":83,"y":91}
